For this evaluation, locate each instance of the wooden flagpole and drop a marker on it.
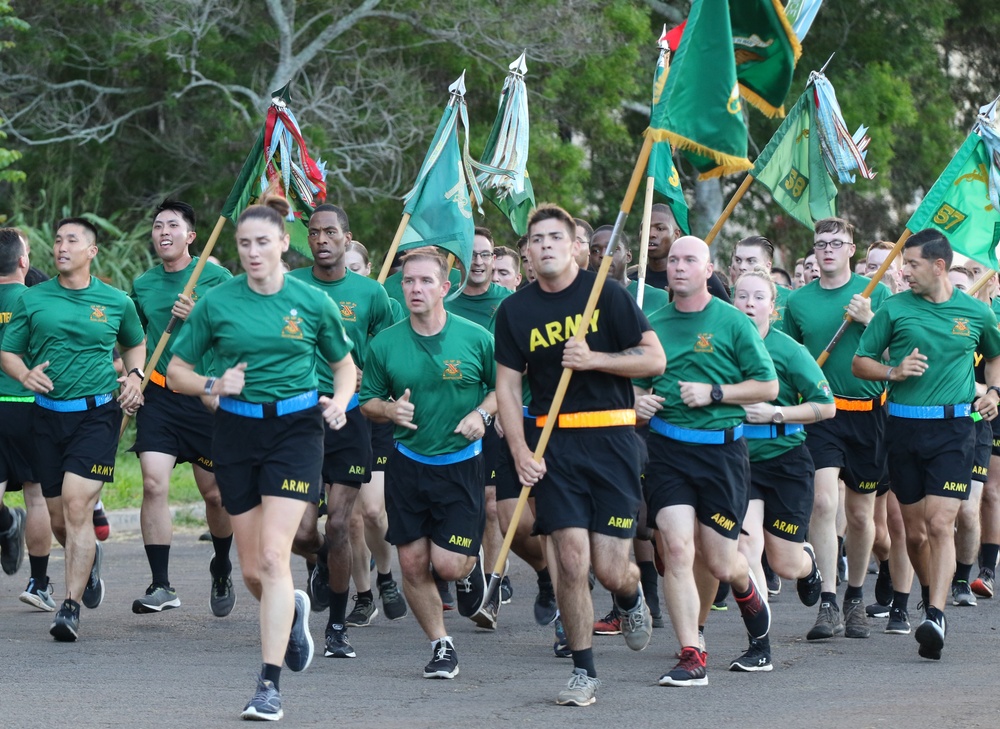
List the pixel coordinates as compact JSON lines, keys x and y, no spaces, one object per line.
{"x":737,"y":196}
{"x":990,"y":273}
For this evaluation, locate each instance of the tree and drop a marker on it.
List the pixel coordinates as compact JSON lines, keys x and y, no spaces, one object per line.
{"x":8,"y":22}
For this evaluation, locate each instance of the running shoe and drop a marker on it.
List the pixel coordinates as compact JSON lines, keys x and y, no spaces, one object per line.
{"x":506,"y":590}
{"x":363,"y":613}
{"x":444,"y":590}
{"x":580,"y":691}
{"x":319,"y":586}
{"x":337,"y":645}
{"x":444,"y":662}
{"x":757,"y":658}
{"x":828,"y":623}
{"x":545,"y":603}
{"x":962,"y":595}
{"x":93,"y":594}
{"x":754,"y":610}
{"x":719,"y":603}
{"x":983,"y":585}
{"x":810,"y":587}
{"x":66,"y":623}
{"x":883,"y":586}
{"x":930,"y":634}
{"x":222,"y":598}
{"x":265,"y":704}
{"x":855,"y":619}
{"x":393,"y":602}
{"x":878,"y":610}
{"x":41,"y":598}
{"x":102,"y":527}
{"x":899,"y":622}
{"x":690,"y":671}
{"x":299,"y":653}
{"x":773,"y":581}
{"x":157,"y":599}
{"x":12,"y":543}
{"x":636,"y":623}
{"x":471,"y":590}
{"x":486,"y":615}
{"x":561,"y":646}
{"x":610,"y":624}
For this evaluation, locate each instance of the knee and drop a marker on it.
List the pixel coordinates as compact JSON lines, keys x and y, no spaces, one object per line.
{"x":337,"y":525}
{"x":272,"y":563}
{"x":373,"y":512}
{"x":213,"y":499}
{"x":413,"y":564}
{"x":573,"y":563}
{"x":155,"y":487}
{"x":941,"y":527}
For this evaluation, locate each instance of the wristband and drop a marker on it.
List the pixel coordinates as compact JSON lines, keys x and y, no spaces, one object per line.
{"x":209,"y":385}
{"x":888,"y":375}
{"x":994,"y":388}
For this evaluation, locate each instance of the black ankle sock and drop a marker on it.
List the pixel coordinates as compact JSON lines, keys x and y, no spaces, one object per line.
{"x":159,"y":560}
{"x":962,"y":572}
{"x":900,"y":600}
{"x":585,"y":659}
{"x":338,"y":607}
{"x":221,"y":566}
{"x":743,"y":595}
{"x":381,"y":579}
{"x":648,"y":576}
{"x":366,"y":594}
{"x":6,"y":518}
{"x":271,"y":673}
{"x":544,"y":578}
{"x":989,"y":555}
{"x":925,"y":595}
{"x":624,"y":603}
{"x":830,"y":597}
{"x":854,"y":593}
{"x":883,"y":566}
{"x":39,"y":570}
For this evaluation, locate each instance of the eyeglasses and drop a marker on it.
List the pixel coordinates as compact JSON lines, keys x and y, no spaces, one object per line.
{"x":834,"y":244}
{"x":482,"y":255}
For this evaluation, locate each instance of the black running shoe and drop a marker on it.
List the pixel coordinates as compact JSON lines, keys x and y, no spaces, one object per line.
{"x":883,"y":586}
{"x":337,"y":645}
{"x":962,"y":595}
{"x":444,"y":662}
{"x":364,"y":612}
{"x":506,"y":590}
{"x":93,"y":593}
{"x":319,"y":586}
{"x":756,"y":658}
{"x":930,"y":634}
{"x":12,"y":543}
{"x":222,"y":598}
{"x":899,"y":622}
{"x":756,"y":614}
{"x":810,"y":587}
{"x":66,"y":623}
{"x":393,"y":602}
{"x":471,"y":590}
{"x":545,"y":603}
{"x":690,"y":671}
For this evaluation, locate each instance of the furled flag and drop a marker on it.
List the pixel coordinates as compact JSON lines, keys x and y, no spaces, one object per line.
{"x":791,"y":166}
{"x":439,"y":204}
{"x":701,"y":113}
{"x":504,"y":177}
{"x":661,"y":166}
{"x":844,"y":153}
{"x":280,"y":155}
{"x":959,"y":203}
{"x":801,"y":14}
{"x":989,"y":129}
{"x":767,"y":50}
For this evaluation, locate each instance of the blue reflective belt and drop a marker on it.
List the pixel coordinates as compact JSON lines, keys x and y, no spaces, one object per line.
{"x":692,"y":435}
{"x":269,"y":409}
{"x":351,"y":405}
{"x":470,"y":451}
{"x":73,"y":406}
{"x":766,"y":432}
{"x":930,"y":412}
{"x":528,"y":415}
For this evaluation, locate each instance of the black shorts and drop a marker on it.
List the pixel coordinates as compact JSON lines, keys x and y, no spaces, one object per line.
{"x":854,"y":442}
{"x":347,"y":453}
{"x":984,"y":447}
{"x":444,"y":503}
{"x":508,"y":483}
{"x":175,"y":424}
{"x":17,"y":444}
{"x":83,"y":443}
{"x":591,"y":481}
{"x":382,"y":441}
{"x":785,"y":485}
{"x":714,"y":479}
{"x":491,"y":454}
{"x":268,"y":457}
{"x":930,"y":457}
{"x":995,"y":426}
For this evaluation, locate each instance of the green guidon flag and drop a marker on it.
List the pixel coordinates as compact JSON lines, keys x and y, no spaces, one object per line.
{"x":661,"y":166}
{"x":792,"y":167}
{"x":959,"y":206}
{"x":766,"y":52}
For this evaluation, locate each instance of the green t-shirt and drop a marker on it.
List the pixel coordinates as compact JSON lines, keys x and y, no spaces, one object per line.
{"x":364,"y":310}
{"x":448,"y":375}
{"x":652,"y":298}
{"x":814,"y":314}
{"x":155,"y":293}
{"x":717,"y":345}
{"x":399,"y":311}
{"x":479,"y":309}
{"x":947,"y":333}
{"x":277,"y":335}
{"x":394,"y":285}
{"x":75,"y":330}
{"x":800,"y":379}
{"x":780,"y":302}
{"x":9,"y":294}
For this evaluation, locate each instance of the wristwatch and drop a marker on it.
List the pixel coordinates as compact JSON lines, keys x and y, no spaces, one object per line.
{"x":487,"y":418}
{"x":137,"y":371}
{"x":716,"y":393}
{"x":209,"y":385}
{"x":778,"y":417}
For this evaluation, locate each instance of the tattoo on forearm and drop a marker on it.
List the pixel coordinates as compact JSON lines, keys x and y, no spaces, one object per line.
{"x":817,"y":416}
{"x":631,"y":351}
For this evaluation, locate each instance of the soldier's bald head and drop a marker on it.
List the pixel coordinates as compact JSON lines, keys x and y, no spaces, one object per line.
{"x":689,"y":245}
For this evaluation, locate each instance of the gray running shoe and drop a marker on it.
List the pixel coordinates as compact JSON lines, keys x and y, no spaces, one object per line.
{"x":899,"y":622}
{"x":756,"y":658}
{"x":983,"y":585}
{"x":157,"y":599}
{"x":486,"y":615}
{"x":299,"y":653}
{"x":444,"y":662}
{"x":393,"y":602}
{"x":40,"y":598}
{"x":636,"y":623}
{"x":962,"y":595}
{"x":12,"y":543}
{"x":265,"y":704}
{"x":828,"y":623}
{"x":93,"y":594}
{"x":580,"y":691}
{"x":855,"y":619}
{"x":66,"y":624}
{"x":363,"y":613}
{"x":222,"y":598}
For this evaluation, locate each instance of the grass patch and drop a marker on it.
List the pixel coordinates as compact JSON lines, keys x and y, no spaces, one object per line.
{"x":126,"y":490}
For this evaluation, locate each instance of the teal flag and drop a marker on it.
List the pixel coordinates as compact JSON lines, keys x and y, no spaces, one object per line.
{"x":791,"y":166}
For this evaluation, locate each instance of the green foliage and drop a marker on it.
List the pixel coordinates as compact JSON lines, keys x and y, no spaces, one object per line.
{"x":8,"y":22}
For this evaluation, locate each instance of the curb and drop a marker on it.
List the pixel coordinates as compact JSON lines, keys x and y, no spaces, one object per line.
{"x":127,"y":520}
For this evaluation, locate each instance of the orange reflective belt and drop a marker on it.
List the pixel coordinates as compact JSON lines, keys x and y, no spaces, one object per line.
{"x":858,"y":406}
{"x":157,"y":379}
{"x":595,"y":419}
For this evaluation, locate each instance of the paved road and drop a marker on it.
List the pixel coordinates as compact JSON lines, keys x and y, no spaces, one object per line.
{"x":186,"y":668}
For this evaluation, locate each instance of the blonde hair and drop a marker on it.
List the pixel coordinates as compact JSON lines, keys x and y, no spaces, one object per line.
{"x":761,"y":273}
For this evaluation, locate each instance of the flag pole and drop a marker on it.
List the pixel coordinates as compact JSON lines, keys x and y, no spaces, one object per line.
{"x":990,"y":273}
{"x":647,"y":215}
{"x":825,"y":354}
{"x":567,"y":373}
{"x":384,"y":272}
{"x":188,"y":289}
{"x":737,"y":196}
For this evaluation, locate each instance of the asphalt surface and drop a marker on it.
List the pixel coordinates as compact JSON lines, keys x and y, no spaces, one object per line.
{"x":186,"y":668}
